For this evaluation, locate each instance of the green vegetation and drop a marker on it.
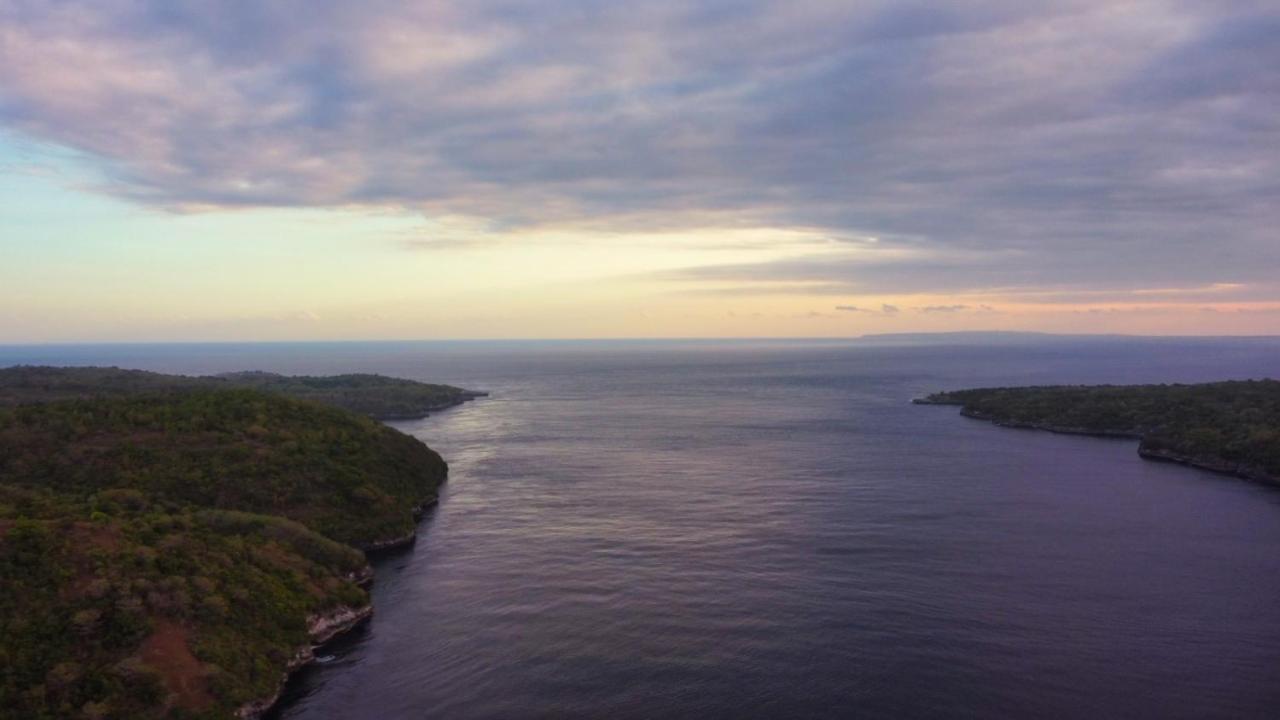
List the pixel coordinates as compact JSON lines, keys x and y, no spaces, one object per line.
{"x":1226,"y":426}
{"x":377,"y":396}
{"x":165,"y":545}
{"x":342,"y":475}
{"x":122,"y":607}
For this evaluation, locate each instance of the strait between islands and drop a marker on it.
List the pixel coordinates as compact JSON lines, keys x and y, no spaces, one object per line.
{"x":176,"y":546}
{"x":1228,"y":427}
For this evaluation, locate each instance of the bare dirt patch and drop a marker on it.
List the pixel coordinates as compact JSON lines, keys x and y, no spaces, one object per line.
{"x":167,"y":651}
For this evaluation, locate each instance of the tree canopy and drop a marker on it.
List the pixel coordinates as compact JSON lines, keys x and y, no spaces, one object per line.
{"x":164,"y":542}
{"x":1232,"y":426}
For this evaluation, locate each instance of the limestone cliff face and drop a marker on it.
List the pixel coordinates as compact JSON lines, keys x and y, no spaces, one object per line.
{"x":362,"y":577}
{"x":321,"y":627}
{"x":325,"y":626}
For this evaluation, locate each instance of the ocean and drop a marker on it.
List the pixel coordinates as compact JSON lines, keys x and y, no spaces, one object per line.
{"x":760,"y":529}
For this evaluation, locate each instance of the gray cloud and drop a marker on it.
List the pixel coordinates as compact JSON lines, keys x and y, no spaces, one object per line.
{"x":1083,"y":274}
{"x":885,"y":309}
{"x":980,"y":309}
{"x":1067,"y":144}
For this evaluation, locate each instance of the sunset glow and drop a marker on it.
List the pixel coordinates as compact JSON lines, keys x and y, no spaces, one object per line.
{"x":468,"y":171}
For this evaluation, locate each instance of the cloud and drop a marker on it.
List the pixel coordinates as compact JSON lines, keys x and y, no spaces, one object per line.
{"x":885,"y":309}
{"x":1064,"y":144}
{"x":980,"y":309}
{"x":1046,"y":275}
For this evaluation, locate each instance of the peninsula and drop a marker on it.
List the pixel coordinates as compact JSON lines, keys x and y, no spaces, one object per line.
{"x":378,"y":396}
{"x":1229,"y":427}
{"x":174,"y":546}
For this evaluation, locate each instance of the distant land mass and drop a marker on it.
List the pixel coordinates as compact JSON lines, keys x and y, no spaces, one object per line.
{"x":970,"y":335}
{"x":1230,"y":427}
{"x":174,"y":546}
{"x":1018,"y":337}
{"x":378,"y":396}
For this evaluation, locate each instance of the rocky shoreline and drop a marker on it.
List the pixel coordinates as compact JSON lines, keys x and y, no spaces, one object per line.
{"x":322,"y":628}
{"x":1145,"y":451}
{"x":1212,"y":464}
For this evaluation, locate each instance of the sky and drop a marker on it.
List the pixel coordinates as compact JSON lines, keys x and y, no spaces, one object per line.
{"x":313,"y":169}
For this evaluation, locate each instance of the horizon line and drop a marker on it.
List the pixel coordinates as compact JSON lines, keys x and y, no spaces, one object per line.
{"x":674,"y":338}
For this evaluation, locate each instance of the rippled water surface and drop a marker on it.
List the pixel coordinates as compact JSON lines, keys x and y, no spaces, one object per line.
{"x":729,"y":530}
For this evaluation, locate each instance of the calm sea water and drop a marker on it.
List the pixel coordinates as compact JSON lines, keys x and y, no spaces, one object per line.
{"x":740,"y":530}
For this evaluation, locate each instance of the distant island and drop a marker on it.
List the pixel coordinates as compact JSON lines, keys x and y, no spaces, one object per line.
{"x":1230,"y":427}
{"x":174,"y":546}
{"x":378,"y":396}
{"x":965,"y":337}
{"x":1017,"y":338}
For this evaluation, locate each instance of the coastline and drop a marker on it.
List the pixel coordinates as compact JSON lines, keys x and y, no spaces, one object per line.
{"x":1212,"y":464}
{"x":281,"y":423}
{"x":323,"y":628}
{"x":404,"y":540}
{"x":467,"y":397}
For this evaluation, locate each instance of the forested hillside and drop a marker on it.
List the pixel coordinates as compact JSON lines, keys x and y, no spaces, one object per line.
{"x":1227,"y":426}
{"x":172,"y":548}
{"x":377,"y":396}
